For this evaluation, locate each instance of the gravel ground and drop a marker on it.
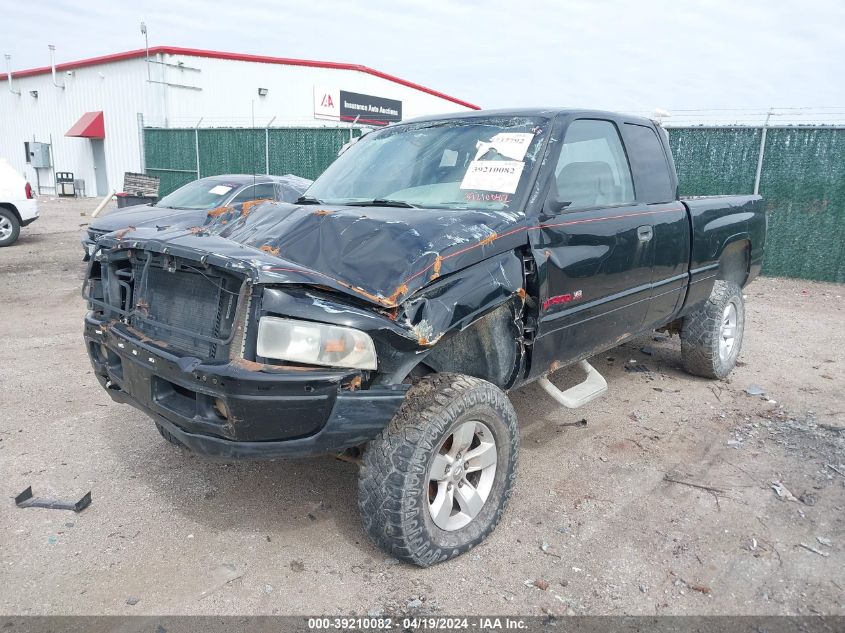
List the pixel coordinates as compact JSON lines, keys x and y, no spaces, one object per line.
{"x":594,"y":526}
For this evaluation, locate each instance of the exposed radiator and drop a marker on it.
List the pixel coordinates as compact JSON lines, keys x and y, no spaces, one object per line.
{"x":202,"y":305}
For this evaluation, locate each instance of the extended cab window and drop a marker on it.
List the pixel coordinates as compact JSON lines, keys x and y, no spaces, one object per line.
{"x":592,"y":170}
{"x":648,"y":159}
{"x":255,"y":192}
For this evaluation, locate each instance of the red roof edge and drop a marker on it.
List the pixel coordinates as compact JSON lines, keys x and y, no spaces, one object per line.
{"x":197,"y":52}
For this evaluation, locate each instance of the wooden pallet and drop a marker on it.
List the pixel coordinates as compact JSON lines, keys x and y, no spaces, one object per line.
{"x":140,"y":184}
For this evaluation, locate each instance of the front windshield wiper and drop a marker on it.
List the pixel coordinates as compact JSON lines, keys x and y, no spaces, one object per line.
{"x":381,"y":202}
{"x":308,"y":200}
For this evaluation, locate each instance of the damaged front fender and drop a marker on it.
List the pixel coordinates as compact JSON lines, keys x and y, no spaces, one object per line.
{"x":468,"y":322}
{"x":458,"y":300}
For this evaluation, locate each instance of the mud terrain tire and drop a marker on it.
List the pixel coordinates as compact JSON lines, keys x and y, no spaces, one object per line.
{"x":704,"y":333}
{"x":402,"y":473}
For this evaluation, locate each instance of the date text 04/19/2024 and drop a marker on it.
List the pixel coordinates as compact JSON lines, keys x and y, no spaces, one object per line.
{"x":418,"y":623}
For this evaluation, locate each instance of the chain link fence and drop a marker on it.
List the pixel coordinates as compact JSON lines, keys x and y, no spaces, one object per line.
{"x":802,"y":180}
{"x":801,"y":175}
{"x":181,"y":155}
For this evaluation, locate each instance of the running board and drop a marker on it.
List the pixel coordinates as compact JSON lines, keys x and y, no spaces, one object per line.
{"x":579,"y":395}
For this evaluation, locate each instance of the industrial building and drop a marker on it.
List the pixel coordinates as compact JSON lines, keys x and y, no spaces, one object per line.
{"x":88,"y":118}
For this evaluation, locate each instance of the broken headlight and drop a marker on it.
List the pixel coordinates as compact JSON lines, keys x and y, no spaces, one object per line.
{"x":315,"y":343}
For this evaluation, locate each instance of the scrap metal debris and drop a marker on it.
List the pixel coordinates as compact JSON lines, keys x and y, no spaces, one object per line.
{"x":671,"y":480}
{"x":219,"y":578}
{"x":26,"y":500}
{"x":835,"y":469}
{"x":808,"y":498}
{"x":813,"y":549}
{"x":581,"y":422}
{"x":695,"y":586}
{"x":783,"y":492}
{"x":838,"y":427}
{"x":549,"y":550}
{"x":542,"y":585}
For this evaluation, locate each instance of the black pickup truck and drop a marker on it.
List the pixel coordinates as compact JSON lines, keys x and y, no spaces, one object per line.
{"x":434,"y":266}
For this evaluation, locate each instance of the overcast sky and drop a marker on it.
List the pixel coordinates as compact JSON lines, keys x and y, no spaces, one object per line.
{"x":633,"y":56}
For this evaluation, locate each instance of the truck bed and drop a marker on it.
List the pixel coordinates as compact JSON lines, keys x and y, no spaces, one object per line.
{"x":731,"y":226}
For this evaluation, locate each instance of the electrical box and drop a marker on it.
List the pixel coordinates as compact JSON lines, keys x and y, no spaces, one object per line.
{"x":39,"y":155}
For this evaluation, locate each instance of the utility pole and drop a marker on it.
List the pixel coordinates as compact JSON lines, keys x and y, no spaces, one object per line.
{"x":762,"y":151}
{"x":146,"y":49}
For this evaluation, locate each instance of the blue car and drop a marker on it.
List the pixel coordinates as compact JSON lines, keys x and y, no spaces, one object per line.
{"x":189,"y":205}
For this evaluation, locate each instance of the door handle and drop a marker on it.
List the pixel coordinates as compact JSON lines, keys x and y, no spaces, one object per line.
{"x":645,"y":233}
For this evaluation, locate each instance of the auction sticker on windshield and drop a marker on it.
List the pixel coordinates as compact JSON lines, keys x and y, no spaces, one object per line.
{"x":220,"y":190}
{"x":512,"y":145}
{"x":493,"y":175}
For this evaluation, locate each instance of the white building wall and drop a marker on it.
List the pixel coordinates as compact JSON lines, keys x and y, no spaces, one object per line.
{"x":230,"y":92}
{"x":225,"y":94}
{"x":117,"y":88}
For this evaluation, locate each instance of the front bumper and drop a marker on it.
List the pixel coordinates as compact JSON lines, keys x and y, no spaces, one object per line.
{"x":238,"y":409}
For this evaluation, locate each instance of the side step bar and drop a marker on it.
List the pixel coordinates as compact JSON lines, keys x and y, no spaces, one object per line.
{"x":579,"y":395}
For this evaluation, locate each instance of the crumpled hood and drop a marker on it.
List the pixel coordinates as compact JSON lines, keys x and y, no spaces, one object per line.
{"x":147,"y":215}
{"x":380,"y":254}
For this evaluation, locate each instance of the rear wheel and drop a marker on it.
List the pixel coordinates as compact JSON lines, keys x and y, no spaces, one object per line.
{"x":711,"y":337}
{"x":436,"y":481}
{"x":10,"y":228}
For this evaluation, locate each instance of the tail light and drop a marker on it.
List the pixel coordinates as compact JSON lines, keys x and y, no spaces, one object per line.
{"x":28,"y":190}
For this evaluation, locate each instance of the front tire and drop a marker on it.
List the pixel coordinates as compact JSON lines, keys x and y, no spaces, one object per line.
{"x":10,"y":228}
{"x":711,"y":337}
{"x":437,"y":480}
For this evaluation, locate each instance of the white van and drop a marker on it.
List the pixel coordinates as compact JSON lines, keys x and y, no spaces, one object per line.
{"x":18,"y":206}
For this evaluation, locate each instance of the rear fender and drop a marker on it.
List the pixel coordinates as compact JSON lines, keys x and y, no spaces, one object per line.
{"x":735,"y":259}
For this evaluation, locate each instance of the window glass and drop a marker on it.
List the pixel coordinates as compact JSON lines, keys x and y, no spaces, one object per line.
{"x":592,"y":170}
{"x":654,"y":184}
{"x":264,"y":191}
{"x":245,"y":194}
{"x":207,"y":193}
{"x":480,"y":162}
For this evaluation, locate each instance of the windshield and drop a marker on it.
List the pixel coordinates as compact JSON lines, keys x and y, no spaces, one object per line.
{"x":473,"y":163}
{"x":199,"y":195}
